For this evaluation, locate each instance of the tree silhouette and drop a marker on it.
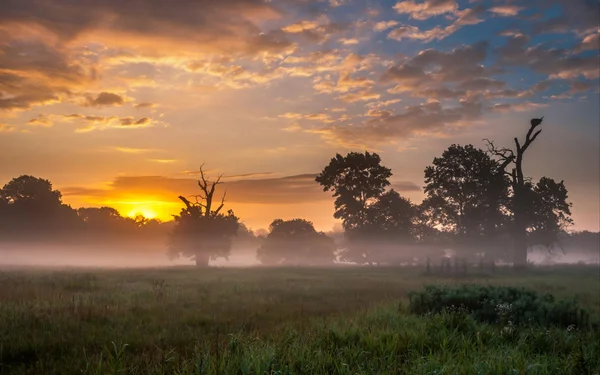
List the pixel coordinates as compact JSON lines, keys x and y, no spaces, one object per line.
{"x":466,"y":195}
{"x":31,"y":192}
{"x":357,"y":181}
{"x":296,"y":242}
{"x":373,"y":219}
{"x":539,"y":210}
{"x":391,"y":219}
{"x":30,"y":206}
{"x":549,"y":213}
{"x":201,"y":232}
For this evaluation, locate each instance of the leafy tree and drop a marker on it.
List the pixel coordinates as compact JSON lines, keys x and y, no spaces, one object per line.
{"x":101,"y":218}
{"x":391,"y":219}
{"x":31,"y":192}
{"x":372,"y":217}
{"x":466,"y":195}
{"x":31,"y":206}
{"x":538,"y":210}
{"x":201,"y":232}
{"x":357,"y":181}
{"x":549,"y":213}
{"x":392,"y":216}
{"x":296,"y":242}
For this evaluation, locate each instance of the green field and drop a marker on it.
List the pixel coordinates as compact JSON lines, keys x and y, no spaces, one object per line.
{"x":276,"y":321}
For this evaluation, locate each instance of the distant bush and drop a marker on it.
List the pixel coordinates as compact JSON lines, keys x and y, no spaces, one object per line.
{"x":500,"y":304}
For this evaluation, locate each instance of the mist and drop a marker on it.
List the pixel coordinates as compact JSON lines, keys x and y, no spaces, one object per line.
{"x":144,"y":256}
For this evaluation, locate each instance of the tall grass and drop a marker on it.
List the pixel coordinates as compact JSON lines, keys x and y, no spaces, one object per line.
{"x":276,"y":321}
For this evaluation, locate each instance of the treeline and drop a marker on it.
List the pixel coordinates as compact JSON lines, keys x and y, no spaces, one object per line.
{"x":31,"y":211}
{"x":479,"y":205}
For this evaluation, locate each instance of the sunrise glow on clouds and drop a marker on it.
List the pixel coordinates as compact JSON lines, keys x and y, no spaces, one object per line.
{"x":118,"y":103}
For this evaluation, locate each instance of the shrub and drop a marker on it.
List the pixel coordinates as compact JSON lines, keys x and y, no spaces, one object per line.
{"x":500,"y":304}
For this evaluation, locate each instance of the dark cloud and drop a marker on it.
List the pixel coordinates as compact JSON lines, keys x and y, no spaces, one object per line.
{"x":105,"y":122}
{"x":580,"y":86}
{"x":284,"y":190}
{"x":383,"y":126}
{"x":481,"y":84}
{"x":33,"y":73}
{"x":576,"y":16}
{"x":104,"y":99}
{"x":219,"y":25}
{"x":554,"y":62}
{"x":144,"y":105}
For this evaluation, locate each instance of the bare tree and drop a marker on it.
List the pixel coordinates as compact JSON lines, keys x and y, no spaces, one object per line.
{"x":205,"y":199}
{"x":201,"y":232}
{"x":524,"y":193}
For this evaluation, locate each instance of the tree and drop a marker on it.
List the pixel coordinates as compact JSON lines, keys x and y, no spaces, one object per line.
{"x":393,"y":216}
{"x":466,"y":195}
{"x":31,"y":206}
{"x":391,"y":219}
{"x":549,"y":213}
{"x":201,"y":232}
{"x":357,"y":181}
{"x":31,"y":192}
{"x":537,"y":210}
{"x":296,"y":242}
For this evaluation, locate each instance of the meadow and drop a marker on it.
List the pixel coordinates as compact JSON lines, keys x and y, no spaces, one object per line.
{"x":341,"y":320}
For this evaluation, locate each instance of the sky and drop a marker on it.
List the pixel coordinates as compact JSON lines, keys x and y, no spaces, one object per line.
{"x":119,"y":103}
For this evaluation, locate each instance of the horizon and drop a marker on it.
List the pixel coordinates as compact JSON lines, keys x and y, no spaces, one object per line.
{"x":119,"y":107}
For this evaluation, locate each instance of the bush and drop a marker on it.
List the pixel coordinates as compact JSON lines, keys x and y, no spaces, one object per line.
{"x":501,"y":304}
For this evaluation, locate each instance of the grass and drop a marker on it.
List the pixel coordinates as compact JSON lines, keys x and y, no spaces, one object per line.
{"x":277,"y":321}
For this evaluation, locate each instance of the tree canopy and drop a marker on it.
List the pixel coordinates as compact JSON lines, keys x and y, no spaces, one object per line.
{"x":357,"y":181}
{"x":296,"y":242}
{"x":466,"y":195}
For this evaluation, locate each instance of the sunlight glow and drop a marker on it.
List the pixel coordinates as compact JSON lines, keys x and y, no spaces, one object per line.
{"x":148,"y":213}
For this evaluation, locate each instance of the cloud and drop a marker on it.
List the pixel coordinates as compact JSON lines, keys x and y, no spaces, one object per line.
{"x":300,"y":27}
{"x":381,"y":104}
{"x":41,"y":120}
{"x":109,"y":122}
{"x":384,"y":25}
{"x":316,"y":116}
{"x":462,"y":64}
{"x":283,"y":190}
{"x":554,"y":62}
{"x":576,"y":16}
{"x":506,"y":10}
{"x":481,"y":83}
{"x":349,"y":41}
{"x":465,"y":17}
{"x":33,"y":73}
{"x":580,"y":86}
{"x":131,"y":150}
{"x":318,"y":31}
{"x":426,"y":9}
{"x":589,"y":42}
{"x":164,"y":161}
{"x":144,"y":105}
{"x":220,"y":26}
{"x":5,"y":128}
{"x":384,"y":127}
{"x":104,"y":99}
{"x":517,"y":107}
{"x":362,"y":95}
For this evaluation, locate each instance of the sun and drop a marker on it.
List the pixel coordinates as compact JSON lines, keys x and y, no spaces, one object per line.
{"x":148,"y":213}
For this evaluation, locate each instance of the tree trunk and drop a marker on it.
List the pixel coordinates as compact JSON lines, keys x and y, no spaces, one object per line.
{"x":202,"y":260}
